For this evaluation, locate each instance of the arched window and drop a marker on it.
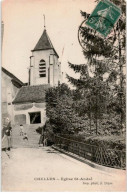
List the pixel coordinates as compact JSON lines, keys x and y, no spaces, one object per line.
{"x":42,"y":68}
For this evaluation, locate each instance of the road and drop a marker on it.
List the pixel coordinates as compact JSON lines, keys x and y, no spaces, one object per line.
{"x":44,"y":169}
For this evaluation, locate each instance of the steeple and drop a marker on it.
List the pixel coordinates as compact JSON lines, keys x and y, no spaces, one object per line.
{"x":44,"y":64}
{"x":44,"y":43}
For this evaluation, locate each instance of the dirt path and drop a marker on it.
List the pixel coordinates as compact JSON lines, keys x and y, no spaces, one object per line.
{"x":44,"y":169}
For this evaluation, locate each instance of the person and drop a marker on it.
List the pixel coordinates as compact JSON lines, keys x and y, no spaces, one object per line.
{"x":25,"y":137}
{"x":6,"y":125}
{"x":6,"y":140}
{"x":45,"y":142}
{"x":41,"y":140}
{"x":8,"y":133}
{"x":21,"y":130}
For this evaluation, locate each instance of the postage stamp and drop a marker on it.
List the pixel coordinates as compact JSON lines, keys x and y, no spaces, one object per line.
{"x":104,"y":17}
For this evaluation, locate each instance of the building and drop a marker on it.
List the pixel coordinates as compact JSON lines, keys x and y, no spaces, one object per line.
{"x":10,"y":85}
{"x":44,"y":72}
{"x":44,"y":65}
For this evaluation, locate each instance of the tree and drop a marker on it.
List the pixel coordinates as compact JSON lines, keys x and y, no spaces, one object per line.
{"x":60,"y":111}
{"x":90,"y":95}
{"x":104,"y":57}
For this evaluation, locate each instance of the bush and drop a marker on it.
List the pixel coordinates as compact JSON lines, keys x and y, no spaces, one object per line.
{"x":110,"y":142}
{"x":39,"y":130}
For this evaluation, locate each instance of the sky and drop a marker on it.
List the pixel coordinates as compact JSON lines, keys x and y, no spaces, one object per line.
{"x":24,"y":24}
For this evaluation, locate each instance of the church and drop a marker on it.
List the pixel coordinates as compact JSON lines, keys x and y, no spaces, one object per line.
{"x":29,"y":105}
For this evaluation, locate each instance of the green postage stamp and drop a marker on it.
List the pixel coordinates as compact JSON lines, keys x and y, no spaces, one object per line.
{"x":104,"y":16}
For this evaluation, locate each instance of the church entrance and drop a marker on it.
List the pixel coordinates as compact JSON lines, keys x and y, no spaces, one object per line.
{"x":35,"y":117}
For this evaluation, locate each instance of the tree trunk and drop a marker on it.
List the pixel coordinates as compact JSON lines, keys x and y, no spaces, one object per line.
{"x":121,"y":78}
{"x":96,"y":115}
{"x":90,"y":116}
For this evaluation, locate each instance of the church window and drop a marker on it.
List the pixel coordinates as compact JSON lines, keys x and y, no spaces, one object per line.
{"x":42,"y":68}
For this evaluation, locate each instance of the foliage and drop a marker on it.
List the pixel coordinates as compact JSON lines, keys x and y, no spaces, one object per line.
{"x":102,"y":95}
{"x":94,"y":112}
{"x":60,"y":111}
{"x":39,"y":130}
{"x":107,"y":141}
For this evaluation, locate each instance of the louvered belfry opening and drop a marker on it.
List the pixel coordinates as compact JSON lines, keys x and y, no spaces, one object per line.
{"x":42,"y":68}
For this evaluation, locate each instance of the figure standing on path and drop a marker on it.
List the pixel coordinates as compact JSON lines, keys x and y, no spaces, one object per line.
{"x":6,"y":140}
{"x":21,"y":130}
{"x":45,"y":142}
{"x":25,"y":137}
{"x":41,"y":140}
{"x":6,"y":135}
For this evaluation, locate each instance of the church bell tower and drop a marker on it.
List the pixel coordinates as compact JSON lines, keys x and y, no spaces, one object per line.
{"x":44,"y":65}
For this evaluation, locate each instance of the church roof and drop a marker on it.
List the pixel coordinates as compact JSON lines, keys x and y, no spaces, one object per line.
{"x":31,"y":94}
{"x":44,"y":43}
{"x":14,"y":80}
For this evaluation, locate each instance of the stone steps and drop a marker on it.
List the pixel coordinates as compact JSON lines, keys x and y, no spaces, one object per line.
{"x":33,"y":136}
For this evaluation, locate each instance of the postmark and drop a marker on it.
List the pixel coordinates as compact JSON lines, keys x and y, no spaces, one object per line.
{"x":104,"y":17}
{"x":85,"y":43}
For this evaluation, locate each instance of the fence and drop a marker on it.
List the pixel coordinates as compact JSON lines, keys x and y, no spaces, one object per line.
{"x":100,"y":155}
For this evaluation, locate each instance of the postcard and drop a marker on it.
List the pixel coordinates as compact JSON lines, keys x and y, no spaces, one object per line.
{"x":63,"y":86}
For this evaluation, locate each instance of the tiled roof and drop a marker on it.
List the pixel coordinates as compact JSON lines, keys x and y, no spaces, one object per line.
{"x":14,"y":78}
{"x":32,"y":94}
{"x":44,"y":43}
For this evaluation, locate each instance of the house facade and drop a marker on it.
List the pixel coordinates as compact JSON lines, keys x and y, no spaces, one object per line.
{"x":10,"y":86}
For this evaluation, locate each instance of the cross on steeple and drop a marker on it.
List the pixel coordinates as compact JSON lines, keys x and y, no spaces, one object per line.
{"x":44,"y":22}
